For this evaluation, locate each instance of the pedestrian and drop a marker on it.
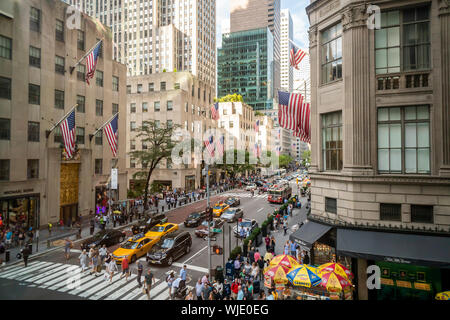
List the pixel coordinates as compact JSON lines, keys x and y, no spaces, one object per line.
{"x":190,"y":295}
{"x":83,"y":260}
{"x":112,"y":268}
{"x":140,"y":269}
{"x":199,"y":289}
{"x":272,"y":245}
{"x":94,"y":262}
{"x":293,"y":247}
{"x":251,"y":255}
{"x":25,"y":254}
{"x":240,"y":295}
{"x":235,"y":288}
{"x":125,"y":269}
{"x":103,"y":252}
{"x":254,"y":273}
{"x":149,"y":280}
{"x":92,"y":226}
{"x":226,"y":289}
{"x":286,"y":248}
{"x":67,"y":246}
{"x":257,"y":255}
{"x":267,"y":241}
{"x":170,"y":278}
{"x":285,"y":226}
{"x":49,"y":228}
{"x":260,"y":262}
{"x":237,"y":266}
{"x":306,"y":258}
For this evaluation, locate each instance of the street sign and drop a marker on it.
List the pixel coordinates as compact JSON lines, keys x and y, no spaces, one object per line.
{"x":114,"y":174}
{"x":216,"y":230}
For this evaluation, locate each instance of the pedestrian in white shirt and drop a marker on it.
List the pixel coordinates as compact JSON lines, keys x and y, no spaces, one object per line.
{"x":83,"y":260}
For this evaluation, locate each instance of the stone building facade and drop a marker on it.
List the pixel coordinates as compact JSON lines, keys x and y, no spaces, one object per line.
{"x":38,"y":184}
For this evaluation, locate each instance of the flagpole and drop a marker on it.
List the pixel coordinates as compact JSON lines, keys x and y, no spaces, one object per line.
{"x":79,"y":61}
{"x":92,"y":135}
{"x":47,"y":132}
{"x":298,"y":46}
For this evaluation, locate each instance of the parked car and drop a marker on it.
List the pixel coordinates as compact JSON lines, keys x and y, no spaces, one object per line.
{"x":233,"y":201}
{"x":202,"y":230}
{"x":194,"y":219}
{"x":246,"y":224}
{"x":143,"y":225}
{"x":250,"y":187}
{"x":232,"y":214}
{"x":170,"y":248}
{"x":108,"y":237}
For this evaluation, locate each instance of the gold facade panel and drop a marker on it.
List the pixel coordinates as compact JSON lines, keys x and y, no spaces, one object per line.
{"x":69,"y":183}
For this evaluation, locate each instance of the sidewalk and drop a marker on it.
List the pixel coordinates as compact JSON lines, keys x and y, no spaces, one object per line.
{"x":40,"y":247}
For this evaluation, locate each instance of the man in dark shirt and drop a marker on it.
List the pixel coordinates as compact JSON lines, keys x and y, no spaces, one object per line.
{"x":149,"y":280}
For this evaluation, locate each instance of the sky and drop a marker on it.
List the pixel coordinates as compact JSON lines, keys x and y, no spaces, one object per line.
{"x":296,"y":8}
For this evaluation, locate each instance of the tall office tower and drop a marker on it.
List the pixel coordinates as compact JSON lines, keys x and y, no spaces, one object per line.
{"x":287,"y":35}
{"x":154,"y":36}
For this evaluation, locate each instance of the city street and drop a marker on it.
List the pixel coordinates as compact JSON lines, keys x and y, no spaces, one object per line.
{"x":50,"y":272}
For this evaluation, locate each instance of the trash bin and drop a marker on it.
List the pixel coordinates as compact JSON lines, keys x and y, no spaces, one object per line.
{"x":219,"y":274}
{"x":7,"y":255}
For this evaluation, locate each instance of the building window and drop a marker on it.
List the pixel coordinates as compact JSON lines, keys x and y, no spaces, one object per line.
{"x":177,"y":86}
{"x":139,"y":88}
{"x":225,"y":111}
{"x":332,"y":137}
{"x":169,"y":123}
{"x":35,"y":19}
{"x":81,"y":104}
{"x":156,"y":106}
{"x":331,"y":53}
{"x":99,"y":138}
{"x":59,"y":64}
{"x":5,"y":47}
{"x":59,"y":31}
{"x":5,"y":129}
{"x":198,"y":93}
{"x":151,"y":87}
{"x":57,"y":136}
{"x":33,"y":169}
{"x":115,"y":108}
{"x":98,"y":166}
{"x":132,"y":145}
{"x":132,"y":126}
{"x":4,"y":169}
{"x":33,"y":131}
{"x":80,"y":40}
{"x":59,"y":99}
{"x":99,"y":108}
{"x":132,"y":163}
{"x":99,"y":78}
{"x":169,"y":105}
{"x":80,"y":135}
{"x":34,"y":94}
{"x":193,"y":90}
{"x":157,"y":124}
{"x":5,"y":88}
{"x":35,"y":57}
{"x":163,"y":86}
{"x":406,"y":34}
{"x":231,"y":124}
{"x":115,"y":83}
{"x":128,"y":89}
{"x":81,"y":72}
{"x":390,"y":212}
{"x":144,"y":107}
{"x":330,"y":205}
{"x":404,"y":140}
{"x":186,"y":107}
{"x":133,"y":107}
{"x":422,"y":214}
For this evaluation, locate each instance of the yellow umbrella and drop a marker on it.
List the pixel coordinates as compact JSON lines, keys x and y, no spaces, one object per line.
{"x":334,"y":282}
{"x":276,"y":273}
{"x":285,"y":260}
{"x":304,"y":275}
{"x":268,"y":256}
{"x":337,"y":268}
{"x":443,"y":295}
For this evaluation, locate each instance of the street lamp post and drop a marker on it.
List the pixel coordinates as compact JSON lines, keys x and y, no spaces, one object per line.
{"x":209,"y":224}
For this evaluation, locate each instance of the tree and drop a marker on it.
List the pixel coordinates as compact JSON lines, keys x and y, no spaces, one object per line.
{"x":285,"y":160}
{"x":235,"y":168}
{"x":230,"y":98}
{"x":158,"y":139}
{"x":257,"y":114}
{"x":306,"y":157}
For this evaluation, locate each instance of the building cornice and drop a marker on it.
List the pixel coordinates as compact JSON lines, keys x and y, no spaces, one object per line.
{"x":382,"y":179}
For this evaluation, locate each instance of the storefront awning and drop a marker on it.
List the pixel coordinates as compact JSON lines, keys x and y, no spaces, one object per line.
{"x":430,"y":251}
{"x":309,"y":233}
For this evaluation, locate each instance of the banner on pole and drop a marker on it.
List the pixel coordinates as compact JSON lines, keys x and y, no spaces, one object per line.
{"x":114,"y":179}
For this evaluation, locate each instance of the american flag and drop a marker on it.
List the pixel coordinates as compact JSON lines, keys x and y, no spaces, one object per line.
{"x":296,"y":56}
{"x":257,"y":150}
{"x":112,"y":134}
{"x":277,"y":150}
{"x":304,"y":131}
{"x":257,"y":126}
{"x":68,"y":132}
{"x":289,"y":110}
{"x":209,"y":144}
{"x":220,"y":146}
{"x":215,"y":111}
{"x":91,"y":61}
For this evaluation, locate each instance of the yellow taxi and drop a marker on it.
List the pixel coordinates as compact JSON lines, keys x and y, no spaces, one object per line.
{"x":134,"y":248}
{"x":219,"y":208}
{"x":156,"y":232}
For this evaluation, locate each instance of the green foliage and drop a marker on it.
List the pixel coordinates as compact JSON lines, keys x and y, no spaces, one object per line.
{"x":237,"y":250}
{"x":235,"y":168}
{"x":285,"y":160}
{"x":306,"y":157}
{"x":159,"y":147}
{"x":164,"y":70}
{"x":230,"y":98}
{"x":174,"y":69}
{"x":257,"y":114}
{"x":156,"y":187}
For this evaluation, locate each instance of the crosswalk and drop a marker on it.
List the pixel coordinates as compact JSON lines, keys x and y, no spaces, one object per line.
{"x":70,"y":279}
{"x":246,"y":194}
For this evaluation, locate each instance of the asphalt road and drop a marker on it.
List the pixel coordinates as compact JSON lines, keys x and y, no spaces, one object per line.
{"x":49,"y":275}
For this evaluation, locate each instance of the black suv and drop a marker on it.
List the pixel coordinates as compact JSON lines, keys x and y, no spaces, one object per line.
{"x":194,"y":219}
{"x":170,"y":248}
{"x":142,"y":226}
{"x":108,"y":237}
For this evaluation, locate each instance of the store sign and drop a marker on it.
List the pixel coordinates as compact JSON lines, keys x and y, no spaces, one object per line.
{"x":114,"y":179}
{"x":17,"y":191}
{"x":422,"y":286}
{"x":403,"y":284}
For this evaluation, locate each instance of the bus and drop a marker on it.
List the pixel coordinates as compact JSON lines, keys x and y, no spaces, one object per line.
{"x":277,"y":194}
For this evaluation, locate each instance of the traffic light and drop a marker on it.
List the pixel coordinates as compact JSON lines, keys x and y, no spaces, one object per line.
{"x":217,"y":250}
{"x":209,"y":213}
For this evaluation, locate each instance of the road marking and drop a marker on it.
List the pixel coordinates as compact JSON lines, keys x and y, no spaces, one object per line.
{"x":16,"y":268}
{"x":155,"y":291}
{"x":24,"y":271}
{"x":130,"y":286}
{"x":13,"y":267}
{"x":100,"y":286}
{"x":112,"y":286}
{"x":87,"y":284}
{"x":260,"y":210}
{"x":195,"y":254}
{"x":60,"y":280}
{"x":24,"y":277}
{"x":191,"y":267}
{"x":56,"y":270}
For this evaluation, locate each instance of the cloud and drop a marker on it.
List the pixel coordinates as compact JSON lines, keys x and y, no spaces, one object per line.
{"x":222,"y":19}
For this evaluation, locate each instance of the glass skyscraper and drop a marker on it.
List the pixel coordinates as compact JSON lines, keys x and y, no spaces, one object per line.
{"x":245,"y":66}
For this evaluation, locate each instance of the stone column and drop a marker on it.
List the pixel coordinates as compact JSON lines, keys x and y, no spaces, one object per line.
{"x":358,"y":91}
{"x":444,"y":20}
{"x":316,"y":145}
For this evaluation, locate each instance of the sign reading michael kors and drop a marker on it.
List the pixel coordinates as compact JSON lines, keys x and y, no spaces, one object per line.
{"x":17,"y":191}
